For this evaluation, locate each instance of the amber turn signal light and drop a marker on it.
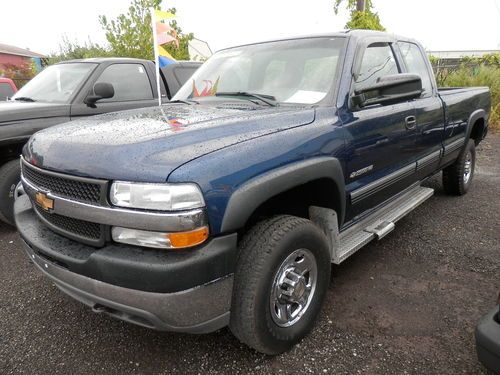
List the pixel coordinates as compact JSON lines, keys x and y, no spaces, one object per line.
{"x":188,"y":239}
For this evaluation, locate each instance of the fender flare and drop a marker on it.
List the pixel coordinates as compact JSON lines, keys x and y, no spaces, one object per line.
{"x":476,"y":115}
{"x":249,"y":196}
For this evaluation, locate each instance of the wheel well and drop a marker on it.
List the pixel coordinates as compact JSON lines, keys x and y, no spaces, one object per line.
{"x":296,"y":201}
{"x":477,"y":131}
{"x":10,"y":152}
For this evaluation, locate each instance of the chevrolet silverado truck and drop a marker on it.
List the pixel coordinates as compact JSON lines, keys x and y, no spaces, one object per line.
{"x":229,"y":206}
{"x":71,"y":90}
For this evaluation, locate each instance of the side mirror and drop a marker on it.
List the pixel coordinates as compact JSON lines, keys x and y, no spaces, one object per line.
{"x":102,"y":90}
{"x":389,"y":89}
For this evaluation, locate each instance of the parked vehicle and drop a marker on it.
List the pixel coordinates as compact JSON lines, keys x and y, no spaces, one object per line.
{"x":488,"y":340}
{"x":228,"y":206}
{"x":71,"y":90}
{"x":7,"y":88}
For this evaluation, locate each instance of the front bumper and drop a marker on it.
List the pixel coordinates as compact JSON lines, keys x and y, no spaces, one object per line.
{"x":488,"y":341}
{"x":154,"y":289}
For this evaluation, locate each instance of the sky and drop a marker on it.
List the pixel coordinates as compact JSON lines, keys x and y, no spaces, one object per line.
{"x":437,"y":24}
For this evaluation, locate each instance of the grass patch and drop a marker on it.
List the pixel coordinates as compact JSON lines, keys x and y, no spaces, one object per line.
{"x":481,"y":75}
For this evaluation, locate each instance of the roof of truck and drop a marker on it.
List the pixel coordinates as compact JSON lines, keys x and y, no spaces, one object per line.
{"x":100,"y":60}
{"x":343,"y":33}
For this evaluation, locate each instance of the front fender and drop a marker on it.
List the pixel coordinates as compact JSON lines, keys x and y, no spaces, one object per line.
{"x":248,"y":197}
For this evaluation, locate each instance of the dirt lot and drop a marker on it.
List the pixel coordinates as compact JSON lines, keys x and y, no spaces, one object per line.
{"x":405,"y":305}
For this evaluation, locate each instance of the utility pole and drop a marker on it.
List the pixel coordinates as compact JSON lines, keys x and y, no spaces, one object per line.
{"x":360,"y":5}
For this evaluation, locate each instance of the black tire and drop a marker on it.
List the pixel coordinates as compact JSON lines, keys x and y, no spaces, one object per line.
{"x":10,"y":174}
{"x":454,"y":181}
{"x":262,"y":253}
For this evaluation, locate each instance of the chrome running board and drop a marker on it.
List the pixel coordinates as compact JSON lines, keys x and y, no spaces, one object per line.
{"x":378,"y":224}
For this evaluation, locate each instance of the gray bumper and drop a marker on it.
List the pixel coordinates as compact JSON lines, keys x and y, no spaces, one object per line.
{"x":201,"y":309}
{"x":488,"y":340}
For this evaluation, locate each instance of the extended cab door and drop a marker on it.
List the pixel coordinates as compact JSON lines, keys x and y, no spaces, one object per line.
{"x":133,"y":89}
{"x":430,"y":121}
{"x":380,"y":139}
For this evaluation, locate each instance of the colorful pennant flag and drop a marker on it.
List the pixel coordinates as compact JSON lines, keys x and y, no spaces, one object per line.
{"x":161,"y":15}
{"x":163,"y":34}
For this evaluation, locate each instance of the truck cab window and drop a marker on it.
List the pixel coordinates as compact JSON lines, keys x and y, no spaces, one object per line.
{"x":415,"y":63}
{"x":378,"y":61}
{"x":130,"y":82}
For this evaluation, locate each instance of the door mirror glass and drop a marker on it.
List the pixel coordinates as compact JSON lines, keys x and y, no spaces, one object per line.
{"x":389,"y":89}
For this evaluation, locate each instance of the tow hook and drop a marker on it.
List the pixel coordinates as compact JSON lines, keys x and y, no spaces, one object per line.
{"x":98,"y":309}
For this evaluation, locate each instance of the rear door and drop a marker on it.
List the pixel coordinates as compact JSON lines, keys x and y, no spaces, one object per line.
{"x":429,"y":112}
{"x":380,"y":139}
{"x":133,"y":89}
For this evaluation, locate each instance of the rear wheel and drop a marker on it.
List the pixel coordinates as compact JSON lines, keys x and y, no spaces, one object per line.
{"x":281,"y":278}
{"x":10,"y":174}
{"x":457,"y":178}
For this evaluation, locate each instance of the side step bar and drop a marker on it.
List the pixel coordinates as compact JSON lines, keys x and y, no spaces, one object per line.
{"x":379,"y":223}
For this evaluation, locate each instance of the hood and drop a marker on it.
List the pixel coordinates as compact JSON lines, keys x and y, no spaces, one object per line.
{"x":148,"y":144}
{"x":14,"y":110}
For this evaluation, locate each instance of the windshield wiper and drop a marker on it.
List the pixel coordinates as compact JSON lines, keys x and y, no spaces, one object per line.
{"x":268,"y":99}
{"x":186,"y":101}
{"x":25,"y":99}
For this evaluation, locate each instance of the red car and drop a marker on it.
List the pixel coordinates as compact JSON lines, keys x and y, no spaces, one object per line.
{"x":7,"y":88}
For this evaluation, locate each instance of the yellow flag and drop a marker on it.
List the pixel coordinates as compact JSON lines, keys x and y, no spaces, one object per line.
{"x":161,"y":15}
{"x":163,"y":52}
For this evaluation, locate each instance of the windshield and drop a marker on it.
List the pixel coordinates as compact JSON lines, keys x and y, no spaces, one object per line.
{"x":291,"y":71}
{"x":55,"y":84}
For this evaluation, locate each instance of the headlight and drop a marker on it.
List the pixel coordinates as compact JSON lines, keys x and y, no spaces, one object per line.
{"x":178,"y":240}
{"x":161,"y":197}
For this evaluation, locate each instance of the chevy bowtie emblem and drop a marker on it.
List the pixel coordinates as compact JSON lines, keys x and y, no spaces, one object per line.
{"x":45,"y":202}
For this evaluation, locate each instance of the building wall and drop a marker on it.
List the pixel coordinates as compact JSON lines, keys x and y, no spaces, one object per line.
{"x":13,"y":59}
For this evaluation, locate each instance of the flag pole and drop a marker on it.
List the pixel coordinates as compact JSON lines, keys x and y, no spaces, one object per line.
{"x":155,"y":49}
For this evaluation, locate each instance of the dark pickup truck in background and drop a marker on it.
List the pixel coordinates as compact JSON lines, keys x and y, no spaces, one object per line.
{"x":229,"y":205}
{"x":71,"y":90}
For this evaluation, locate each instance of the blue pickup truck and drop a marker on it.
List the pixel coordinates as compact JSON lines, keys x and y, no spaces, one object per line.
{"x":228,"y":205}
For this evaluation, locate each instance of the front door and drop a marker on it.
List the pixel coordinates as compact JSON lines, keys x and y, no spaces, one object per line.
{"x":380,"y":139}
{"x":133,"y":89}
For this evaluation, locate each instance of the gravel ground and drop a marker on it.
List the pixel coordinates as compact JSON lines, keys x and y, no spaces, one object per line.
{"x":405,"y":305}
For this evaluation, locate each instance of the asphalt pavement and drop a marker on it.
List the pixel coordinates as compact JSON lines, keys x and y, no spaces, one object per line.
{"x":405,"y":305}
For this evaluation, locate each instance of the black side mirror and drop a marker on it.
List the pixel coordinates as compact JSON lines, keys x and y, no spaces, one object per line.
{"x":102,"y":90}
{"x":388,"y":90}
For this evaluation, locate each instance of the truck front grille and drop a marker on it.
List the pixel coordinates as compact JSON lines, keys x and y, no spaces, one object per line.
{"x":74,"y":188}
{"x":84,"y":231}
{"x":70,"y":187}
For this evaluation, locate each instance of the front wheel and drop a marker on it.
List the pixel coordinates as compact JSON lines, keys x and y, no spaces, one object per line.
{"x":10,"y":174}
{"x":281,"y":278}
{"x":457,"y":178}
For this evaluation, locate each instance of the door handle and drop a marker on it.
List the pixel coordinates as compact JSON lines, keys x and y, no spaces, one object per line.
{"x":410,"y":122}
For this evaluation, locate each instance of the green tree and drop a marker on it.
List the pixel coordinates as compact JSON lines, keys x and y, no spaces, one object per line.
{"x":130,"y":34}
{"x":69,"y":50}
{"x":362,"y":15}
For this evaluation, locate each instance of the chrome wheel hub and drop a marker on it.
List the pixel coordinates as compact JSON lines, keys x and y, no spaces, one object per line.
{"x":467,"y":167}
{"x":293,"y":287}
